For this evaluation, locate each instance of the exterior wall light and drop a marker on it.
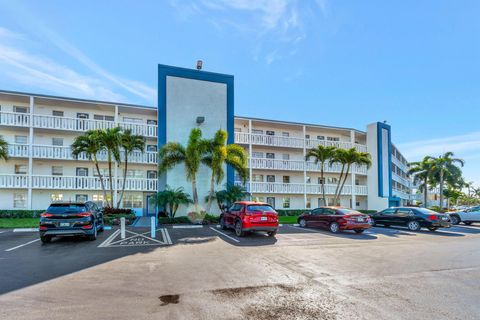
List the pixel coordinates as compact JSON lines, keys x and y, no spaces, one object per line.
{"x":200,"y":120}
{"x":199,"y":64}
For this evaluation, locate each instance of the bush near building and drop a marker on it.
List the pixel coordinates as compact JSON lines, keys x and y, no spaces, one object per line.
{"x":16,"y":214}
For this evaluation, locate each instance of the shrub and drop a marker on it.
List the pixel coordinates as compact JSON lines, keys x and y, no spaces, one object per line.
{"x":117,"y":211}
{"x":20,"y":213}
{"x":182,"y":219}
{"x":114,"y":219}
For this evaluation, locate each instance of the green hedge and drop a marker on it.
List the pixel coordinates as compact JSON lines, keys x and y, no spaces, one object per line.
{"x":114,"y":219}
{"x":20,"y":213}
{"x":297,"y":212}
{"x":209,"y":218}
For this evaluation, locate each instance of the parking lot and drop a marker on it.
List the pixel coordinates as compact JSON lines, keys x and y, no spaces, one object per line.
{"x":199,"y":272}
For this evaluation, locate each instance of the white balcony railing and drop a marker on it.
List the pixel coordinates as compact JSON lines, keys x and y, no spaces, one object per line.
{"x":401,"y":194}
{"x":298,"y":165}
{"x":298,"y":188}
{"x":74,"y":183}
{"x":291,"y":142}
{"x":65,"y":153}
{"x":400,"y":179}
{"x":72,"y":124}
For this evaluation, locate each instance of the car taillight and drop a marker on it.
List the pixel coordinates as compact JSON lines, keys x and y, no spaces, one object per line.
{"x":46,"y":215}
{"x":42,"y":228}
{"x":84,"y":214}
{"x":432,"y":217}
{"x":88,"y":226}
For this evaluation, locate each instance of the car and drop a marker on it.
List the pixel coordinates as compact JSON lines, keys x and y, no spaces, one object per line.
{"x":247,"y":216}
{"x":412,"y":217}
{"x":467,"y":216}
{"x":335,"y":219}
{"x":71,"y":219}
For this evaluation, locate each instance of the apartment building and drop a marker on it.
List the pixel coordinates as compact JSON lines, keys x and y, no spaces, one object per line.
{"x":41,"y":169}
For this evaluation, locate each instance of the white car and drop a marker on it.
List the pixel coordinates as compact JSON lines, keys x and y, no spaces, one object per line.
{"x":467,"y":216}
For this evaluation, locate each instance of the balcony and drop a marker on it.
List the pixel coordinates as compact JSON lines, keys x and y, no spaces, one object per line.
{"x":65,"y":153}
{"x":400,"y":180}
{"x":402,"y":195}
{"x":298,"y":165}
{"x":298,"y":188}
{"x":73,"y":183}
{"x":72,"y":124}
{"x":290,"y":142}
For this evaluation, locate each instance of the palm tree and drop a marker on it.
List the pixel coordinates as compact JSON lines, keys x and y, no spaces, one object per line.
{"x":3,"y":149}
{"x":444,"y":168}
{"x":170,"y":200}
{"x":219,"y":153}
{"x":110,"y":141}
{"x":173,"y":153}
{"x":89,"y":144}
{"x":129,"y":143}
{"x":421,"y":171}
{"x":321,"y":154}
{"x":226,"y":197}
{"x":349,"y":158}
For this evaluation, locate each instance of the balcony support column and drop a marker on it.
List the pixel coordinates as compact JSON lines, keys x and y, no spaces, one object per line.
{"x":354,"y":169}
{"x":250,"y":170}
{"x":115,"y":173}
{"x":304,"y":168}
{"x":30,"y":155}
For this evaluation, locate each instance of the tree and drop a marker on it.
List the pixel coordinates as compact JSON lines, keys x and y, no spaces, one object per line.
{"x":3,"y":149}
{"x":110,"y":142}
{"x":218,"y":153}
{"x":322,"y":155}
{"x":444,"y":168}
{"x":173,"y":153}
{"x":170,"y":200}
{"x":129,"y":143}
{"x":226,"y":197}
{"x":421,"y":171}
{"x":89,"y":144}
{"x":451,"y":194}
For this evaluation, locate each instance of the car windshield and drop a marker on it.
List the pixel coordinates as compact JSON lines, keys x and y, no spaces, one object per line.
{"x":260,"y":207}
{"x":426,"y":211}
{"x":348,"y":211}
{"x":66,"y":208}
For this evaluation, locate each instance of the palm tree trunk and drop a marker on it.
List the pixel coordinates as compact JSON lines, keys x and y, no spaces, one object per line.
{"x":124,"y":181}
{"x":441,"y":189}
{"x":338,"y":184}
{"x":212,"y":190}
{"x":102,"y":183}
{"x":343,"y":183}
{"x":111,"y":178}
{"x":194,"y":193}
{"x":323,"y":183}
{"x":425,"y":193}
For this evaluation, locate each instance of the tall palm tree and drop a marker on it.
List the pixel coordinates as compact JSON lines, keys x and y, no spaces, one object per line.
{"x":321,"y":154}
{"x":173,"y":153}
{"x":3,"y":149}
{"x":226,"y":197}
{"x":350,"y":158}
{"x":218,"y":154}
{"x":110,"y":141}
{"x":89,"y":144}
{"x":340,"y":157}
{"x":421,"y":171}
{"x":129,"y":143}
{"x":170,"y":200}
{"x":445,"y":168}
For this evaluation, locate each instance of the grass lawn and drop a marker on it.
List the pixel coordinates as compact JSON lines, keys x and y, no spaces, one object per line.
{"x":287,"y":219}
{"x":19,"y":222}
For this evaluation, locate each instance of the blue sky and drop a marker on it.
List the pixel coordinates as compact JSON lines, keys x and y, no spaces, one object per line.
{"x":415,"y":64}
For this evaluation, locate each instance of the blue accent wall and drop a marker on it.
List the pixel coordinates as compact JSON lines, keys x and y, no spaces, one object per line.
{"x":163,"y":72}
{"x":381,"y":126}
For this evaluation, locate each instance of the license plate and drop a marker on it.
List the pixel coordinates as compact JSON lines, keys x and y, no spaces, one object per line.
{"x":444,"y":218}
{"x":359,"y":219}
{"x":64,"y":224}
{"x":263,"y":219}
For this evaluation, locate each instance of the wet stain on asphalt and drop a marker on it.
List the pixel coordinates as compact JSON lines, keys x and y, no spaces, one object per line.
{"x":169,"y":298}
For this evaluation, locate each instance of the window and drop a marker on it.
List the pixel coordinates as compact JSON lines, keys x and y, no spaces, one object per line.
{"x":132,"y":120}
{"x":403,"y":211}
{"x":133,"y":201}
{"x":307,"y":136}
{"x":151,"y":174}
{"x":98,"y":199}
{"x":21,"y":109}
{"x":388,"y":211}
{"x":19,"y":200}
{"x":308,"y":180}
{"x":56,"y":197}
{"x":152,"y":122}
{"x":357,"y":203}
{"x":333,"y":139}
{"x":57,"y":113}
{"x":270,"y":155}
{"x":103,"y":117}
{"x":285,"y":134}
{"x":20,"y":169}
{"x":257,"y":131}
{"x":57,"y":141}
{"x":256,"y":154}
{"x":286,"y":156}
{"x":270,"y":133}
{"x":357,"y":182}
{"x":271,"y":201}
{"x":236,"y":207}
{"x":320,"y":180}
{"x":286,"y":203}
{"x":57,"y":171}
{"x":257,"y":177}
{"x":331,"y":180}
{"x":103,"y":171}
{"x":151,"y":148}
{"x":81,"y":197}
{"x":67,"y":208}
{"x":259,"y":207}
{"x":309,"y":203}
{"x":320,"y":137}
{"x":136,"y":174}
{"x":270,"y":178}
{"x":237,"y":129}
{"x":286,"y":179}
{"x":21,"y":139}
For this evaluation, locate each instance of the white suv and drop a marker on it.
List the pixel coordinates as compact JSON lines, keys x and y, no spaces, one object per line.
{"x":467,"y":216}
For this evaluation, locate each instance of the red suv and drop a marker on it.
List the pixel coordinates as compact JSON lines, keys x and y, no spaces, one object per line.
{"x":335,"y":219}
{"x":245,"y":216}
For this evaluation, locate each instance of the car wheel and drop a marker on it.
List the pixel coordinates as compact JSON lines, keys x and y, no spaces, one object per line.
{"x":455,"y":219}
{"x":468,"y":222}
{"x":238,"y":229}
{"x":413,"y":226}
{"x":373,"y":223}
{"x":46,"y":239}
{"x":302,"y":223}
{"x":222,"y":224}
{"x":432,"y":228}
{"x":334,"y":227}
{"x":359,"y":230}
{"x":93,"y":236}
{"x":272,"y":233}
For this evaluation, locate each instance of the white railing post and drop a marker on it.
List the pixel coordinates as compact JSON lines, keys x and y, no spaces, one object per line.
{"x":153,"y":226}
{"x":122,"y":227}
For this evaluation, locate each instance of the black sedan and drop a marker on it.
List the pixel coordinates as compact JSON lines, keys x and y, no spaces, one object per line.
{"x":71,"y":219}
{"x":411,"y":217}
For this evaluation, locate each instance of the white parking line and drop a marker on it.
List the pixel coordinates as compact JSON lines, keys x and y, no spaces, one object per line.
{"x":187,"y":227}
{"x":2,"y":231}
{"x":226,"y":235}
{"x":306,"y":229}
{"x":109,"y":239}
{"x":25,"y":230}
{"x":22,"y":245}
{"x":167,"y":236}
